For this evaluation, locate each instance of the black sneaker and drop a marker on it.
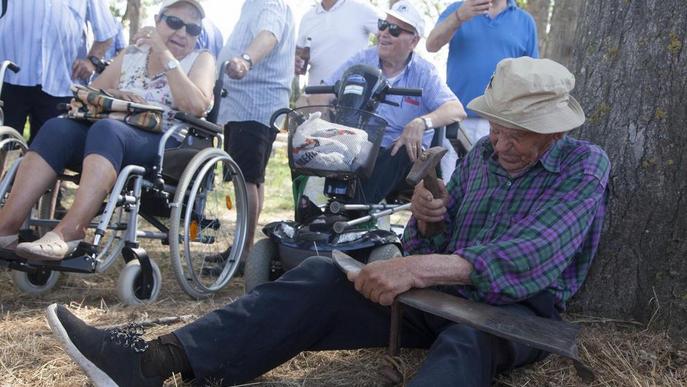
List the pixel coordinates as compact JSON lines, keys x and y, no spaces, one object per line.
{"x":109,"y":357}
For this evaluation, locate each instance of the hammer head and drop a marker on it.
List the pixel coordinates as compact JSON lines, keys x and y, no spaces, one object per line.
{"x":424,"y":164}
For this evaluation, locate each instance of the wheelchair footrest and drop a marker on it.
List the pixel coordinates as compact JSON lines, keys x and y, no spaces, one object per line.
{"x":81,"y":261}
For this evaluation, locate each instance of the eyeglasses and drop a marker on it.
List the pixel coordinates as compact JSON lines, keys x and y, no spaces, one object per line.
{"x":394,"y":29}
{"x":175,"y":23}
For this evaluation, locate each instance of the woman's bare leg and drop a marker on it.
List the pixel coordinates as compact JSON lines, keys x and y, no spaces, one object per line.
{"x":33,"y":178}
{"x":97,"y":178}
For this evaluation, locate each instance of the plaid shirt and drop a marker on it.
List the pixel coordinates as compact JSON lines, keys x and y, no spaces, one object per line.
{"x":535,"y":232}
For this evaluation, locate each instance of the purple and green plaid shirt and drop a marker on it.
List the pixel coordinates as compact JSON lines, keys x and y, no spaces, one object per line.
{"x":536,"y":232}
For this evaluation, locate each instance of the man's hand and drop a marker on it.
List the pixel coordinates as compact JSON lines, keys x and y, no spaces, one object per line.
{"x":472,"y":8}
{"x":381,"y":281}
{"x":411,"y":138}
{"x":82,"y":69}
{"x":426,"y":208}
{"x":238,"y":68}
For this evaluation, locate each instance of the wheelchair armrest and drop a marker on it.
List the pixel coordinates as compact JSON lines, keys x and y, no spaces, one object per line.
{"x":198,"y":123}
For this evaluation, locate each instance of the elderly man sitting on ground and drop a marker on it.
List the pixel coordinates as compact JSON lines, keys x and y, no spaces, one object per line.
{"x":523,"y":217}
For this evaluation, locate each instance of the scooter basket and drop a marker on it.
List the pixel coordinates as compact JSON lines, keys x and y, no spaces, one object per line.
{"x":333,"y":142}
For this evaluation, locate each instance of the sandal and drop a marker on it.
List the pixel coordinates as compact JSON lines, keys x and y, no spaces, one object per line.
{"x":50,"y":247}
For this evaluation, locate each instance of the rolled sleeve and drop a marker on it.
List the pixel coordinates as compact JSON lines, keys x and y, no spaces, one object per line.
{"x":536,"y":249}
{"x":104,"y":25}
{"x":272,"y":19}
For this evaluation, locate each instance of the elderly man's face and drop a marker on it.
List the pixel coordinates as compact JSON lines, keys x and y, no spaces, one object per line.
{"x":517,"y":149}
{"x":396,"y":48}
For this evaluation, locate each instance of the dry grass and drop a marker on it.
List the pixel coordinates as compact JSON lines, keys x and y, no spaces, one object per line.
{"x":622,"y":354}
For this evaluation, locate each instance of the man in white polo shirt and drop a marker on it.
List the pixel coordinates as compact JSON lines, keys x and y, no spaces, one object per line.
{"x":338,"y":29}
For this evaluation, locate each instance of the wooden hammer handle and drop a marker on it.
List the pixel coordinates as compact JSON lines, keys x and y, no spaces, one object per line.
{"x":432,"y":184}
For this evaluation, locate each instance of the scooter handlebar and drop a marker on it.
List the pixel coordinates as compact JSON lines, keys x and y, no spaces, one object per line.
{"x":403,"y":91}
{"x":319,"y":89}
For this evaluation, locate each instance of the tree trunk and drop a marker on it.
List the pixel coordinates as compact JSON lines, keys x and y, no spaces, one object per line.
{"x":564,"y":19}
{"x":539,"y":9}
{"x":631,"y":67}
{"x":133,"y":14}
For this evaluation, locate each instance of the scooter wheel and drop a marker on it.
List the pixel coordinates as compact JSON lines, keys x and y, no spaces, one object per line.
{"x":34,"y":283}
{"x":259,"y":263}
{"x":129,"y":289}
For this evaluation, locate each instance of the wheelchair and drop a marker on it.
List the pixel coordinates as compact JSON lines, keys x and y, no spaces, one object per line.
{"x":194,"y":197}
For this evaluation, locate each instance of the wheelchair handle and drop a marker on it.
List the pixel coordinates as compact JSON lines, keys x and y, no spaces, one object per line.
{"x":7,"y":64}
{"x":403,"y":91}
{"x":320,"y":89}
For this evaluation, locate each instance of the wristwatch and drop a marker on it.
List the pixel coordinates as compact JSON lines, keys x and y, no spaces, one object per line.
{"x":247,"y":58}
{"x":98,"y":63}
{"x":428,"y":122}
{"x":171,"y":65}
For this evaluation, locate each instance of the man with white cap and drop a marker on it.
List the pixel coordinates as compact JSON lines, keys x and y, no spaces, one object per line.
{"x":412,"y":119}
{"x":523,"y":216}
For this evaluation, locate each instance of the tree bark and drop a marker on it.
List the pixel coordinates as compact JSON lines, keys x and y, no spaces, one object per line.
{"x":564,"y":18}
{"x":133,"y":14}
{"x":631,"y":67}
{"x":539,"y":9}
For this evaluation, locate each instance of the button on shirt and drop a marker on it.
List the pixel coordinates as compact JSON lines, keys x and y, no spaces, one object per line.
{"x":535,"y":232}
{"x":337,"y":34}
{"x":45,"y":39}
{"x":267,"y":85}
{"x":418,"y":74}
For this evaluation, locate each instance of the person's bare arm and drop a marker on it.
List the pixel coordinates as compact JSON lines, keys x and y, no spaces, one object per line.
{"x":411,"y":138}
{"x":443,"y":32}
{"x":263,"y":43}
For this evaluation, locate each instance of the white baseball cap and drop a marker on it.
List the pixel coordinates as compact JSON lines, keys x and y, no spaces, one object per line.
{"x":406,"y":12}
{"x":169,"y":3}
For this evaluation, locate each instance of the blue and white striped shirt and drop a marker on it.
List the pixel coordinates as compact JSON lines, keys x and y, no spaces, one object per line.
{"x":43,"y":37}
{"x":267,"y":86}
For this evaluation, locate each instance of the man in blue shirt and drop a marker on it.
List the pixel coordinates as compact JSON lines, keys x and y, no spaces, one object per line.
{"x":480,"y":33}
{"x":411,"y":122}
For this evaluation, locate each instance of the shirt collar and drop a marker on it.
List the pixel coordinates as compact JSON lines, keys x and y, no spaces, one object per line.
{"x":320,"y":9}
{"x":410,"y":62}
{"x":550,"y":160}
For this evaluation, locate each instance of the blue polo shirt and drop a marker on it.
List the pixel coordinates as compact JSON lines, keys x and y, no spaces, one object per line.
{"x":418,"y":74}
{"x":482,"y":42}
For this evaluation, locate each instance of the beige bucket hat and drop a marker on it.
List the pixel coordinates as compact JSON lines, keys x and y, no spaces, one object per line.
{"x":530,"y":94}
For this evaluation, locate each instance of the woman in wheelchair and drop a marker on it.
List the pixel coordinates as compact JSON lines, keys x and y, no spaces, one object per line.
{"x":162,"y":69}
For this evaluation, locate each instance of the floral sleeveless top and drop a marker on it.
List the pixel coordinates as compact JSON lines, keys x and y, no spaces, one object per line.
{"x":154,"y":88}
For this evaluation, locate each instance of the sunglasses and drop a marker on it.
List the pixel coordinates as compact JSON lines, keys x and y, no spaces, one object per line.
{"x":394,"y":29}
{"x":175,"y":23}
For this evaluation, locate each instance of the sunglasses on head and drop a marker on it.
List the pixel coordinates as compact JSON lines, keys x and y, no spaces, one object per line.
{"x":394,"y":29}
{"x":175,"y":23}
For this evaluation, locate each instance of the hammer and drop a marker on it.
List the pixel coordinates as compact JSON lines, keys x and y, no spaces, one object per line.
{"x":424,"y":168}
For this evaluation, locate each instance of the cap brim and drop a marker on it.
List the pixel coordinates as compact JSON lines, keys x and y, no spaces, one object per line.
{"x":405,"y":20}
{"x":562,"y":120}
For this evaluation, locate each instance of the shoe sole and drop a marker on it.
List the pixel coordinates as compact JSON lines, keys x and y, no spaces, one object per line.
{"x":98,"y":377}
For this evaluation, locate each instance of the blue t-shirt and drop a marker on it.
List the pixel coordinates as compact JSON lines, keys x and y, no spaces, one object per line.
{"x":481,"y":43}
{"x":418,"y":74}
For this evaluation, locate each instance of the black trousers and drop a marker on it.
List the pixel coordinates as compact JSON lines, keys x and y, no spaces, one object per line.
{"x":314,"y":307}
{"x":388,"y":176}
{"x":29,"y":101}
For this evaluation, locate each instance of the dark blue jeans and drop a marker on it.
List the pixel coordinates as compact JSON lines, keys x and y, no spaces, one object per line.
{"x":314,"y":307}
{"x":388,"y":176}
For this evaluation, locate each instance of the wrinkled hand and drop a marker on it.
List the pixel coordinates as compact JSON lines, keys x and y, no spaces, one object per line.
{"x":381,"y":281}
{"x":427,"y":208}
{"x":237,"y":68}
{"x":82,"y":69}
{"x":148,"y":36}
{"x":126,"y":95}
{"x":472,"y":8}
{"x":411,"y":138}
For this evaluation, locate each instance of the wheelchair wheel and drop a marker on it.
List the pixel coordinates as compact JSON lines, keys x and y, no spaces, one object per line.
{"x":35,"y":283}
{"x":129,"y":284}
{"x":259,"y":264}
{"x":12,"y":146}
{"x":384,"y":252}
{"x":209,"y":221}
{"x":110,"y":246}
